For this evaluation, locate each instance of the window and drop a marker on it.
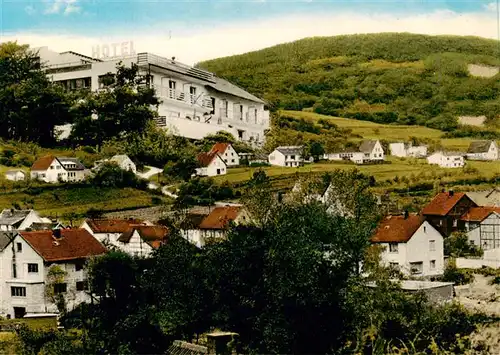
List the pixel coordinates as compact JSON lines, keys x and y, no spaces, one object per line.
{"x":292,"y":157}
{"x":19,"y":247}
{"x":14,"y":270}
{"x":33,"y":268}
{"x":394,"y":265}
{"x":417,"y":267}
{"x":81,"y":285}
{"x":52,"y":168}
{"x":432,"y":245}
{"x":433,"y":264}
{"x":60,"y":288}
{"x":232,"y":160}
{"x":171,"y":84}
{"x":393,"y":247}
{"x":425,"y":229}
{"x":192,"y":90}
{"x":18,"y":291}
{"x":78,"y":266}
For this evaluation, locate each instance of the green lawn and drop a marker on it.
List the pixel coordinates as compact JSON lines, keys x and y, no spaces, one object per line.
{"x":64,"y":199}
{"x":34,"y":323}
{"x":285,"y":177}
{"x":371,"y":130}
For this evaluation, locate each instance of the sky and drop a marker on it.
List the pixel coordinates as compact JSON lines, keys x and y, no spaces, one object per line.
{"x":197,"y":30}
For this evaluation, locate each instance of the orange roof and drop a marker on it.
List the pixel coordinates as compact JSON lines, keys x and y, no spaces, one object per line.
{"x":112,"y":225}
{"x":397,"y":229}
{"x":206,"y":158}
{"x":153,"y":235}
{"x":43,"y":163}
{"x":219,"y":148}
{"x":220,"y":217}
{"x":477,"y":214}
{"x":72,"y":244}
{"x":442,"y":203}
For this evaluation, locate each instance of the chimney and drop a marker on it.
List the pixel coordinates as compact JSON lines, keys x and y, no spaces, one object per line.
{"x":405,"y":214}
{"x":450,"y":193}
{"x":56,"y":233}
{"x":220,"y":343}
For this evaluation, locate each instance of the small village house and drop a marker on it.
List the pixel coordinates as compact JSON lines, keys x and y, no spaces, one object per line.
{"x":483,"y":150}
{"x":124,"y":162}
{"x":12,"y":219}
{"x":489,"y":197}
{"x":214,"y":225}
{"x":410,"y":244}
{"x":445,"y":211}
{"x":447,"y":159}
{"x":107,"y":231}
{"x":368,"y":151}
{"x":28,"y":259}
{"x":15,"y":175}
{"x":54,"y":169}
{"x":288,"y":156}
{"x":405,"y":150}
{"x":227,"y":153}
{"x":482,"y":225}
{"x":142,"y":240}
{"x":211,"y":164}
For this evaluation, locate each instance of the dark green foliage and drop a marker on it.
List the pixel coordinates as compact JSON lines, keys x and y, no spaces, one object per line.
{"x":30,"y":105}
{"x":200,"y":191}
{"x":388,"y":77}
{"x":473,"y":132}
{"x":458,"y":276}
{"x":458,"y":245}
{"x":111,"y":175}
{"x":182,"y":168}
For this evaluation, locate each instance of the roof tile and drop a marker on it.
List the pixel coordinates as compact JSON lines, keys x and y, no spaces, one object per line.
{"x":478,"y":214}
{"x":220,"y":217}
{"x":442,"y":203}
{"x":43,"y":163}
{"x":397,"y":229}
{"x":112,"y":225}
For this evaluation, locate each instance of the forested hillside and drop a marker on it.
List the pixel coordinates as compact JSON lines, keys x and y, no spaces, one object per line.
{"x":387,"y":78}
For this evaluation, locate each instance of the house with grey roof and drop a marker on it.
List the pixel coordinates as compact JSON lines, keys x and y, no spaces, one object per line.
{"x":483,"y":150}
{"x":122,"y":160}
{"x":489,"y":197}
{"x":54,"y":169}
{"x":11,"y":219}
{"x":368,"y":151}
{"x":288,"y":156}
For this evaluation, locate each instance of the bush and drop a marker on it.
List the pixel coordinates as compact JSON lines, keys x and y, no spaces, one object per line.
{"x":111,"y":175}
{"x":458,"y":276}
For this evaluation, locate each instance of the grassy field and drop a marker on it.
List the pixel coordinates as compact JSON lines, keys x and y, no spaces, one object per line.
{"x":371,"y":130}
{"x":60,"y":200}
{"x":411,"y":168}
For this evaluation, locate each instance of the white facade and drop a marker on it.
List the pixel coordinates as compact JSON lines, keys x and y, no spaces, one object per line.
{"x":485,"y":234}
{"x":422,"y":255}
{"x":286,"y":156}
{"x":375,"y":153}
{"x":403,"y":150}
{"x":230,"y":156}
{"x":60,"y":169}
{"x":135,"y":246}
{"x":491,"y":153}
{"x":22,"y":222}
{"x":368,"y":151}
{"x":195,"y":102}
{"x":15,"y":175}
{"x":446,"y":160}
{"x":356,"y":157}
{"x":214,"y":168}
{"x":24,"y":289}
{"x":124,"y":162}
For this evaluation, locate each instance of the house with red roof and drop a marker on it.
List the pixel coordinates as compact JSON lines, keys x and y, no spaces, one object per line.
{"x":30,"y":258}
{"x":214,"y":226}
{"x":227,"y":153}
{"x":210,"y":164}
{"x":410,"y":244}
{"x":53,"y":169}
{"x":142,"y":240}
{"x":482,"y":225}
{"x":446,"y":209}
{"x":107,"y":231}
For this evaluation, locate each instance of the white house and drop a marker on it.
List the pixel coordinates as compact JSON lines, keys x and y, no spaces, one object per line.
{"x":29,"y":258}
{"x":482,"y":225}
{"x":194,"y":102}
{"x":289,"y":156}
{"x":211,"y":164}
{"x":483,"y":150}
{"x":404,"y":150}
{"x":214,"y":225}
{"x":227,"y":153}
{"x":142,"y":240}
{"x":15,"y":175}
{"x":107,"y":231}
{"x":447,"y":159}
{"x":410,"y":244}
{"x":124,"y":162}
{"x":53,"y":169}
{"x":11,"y":219}
{"x":369,"y":150}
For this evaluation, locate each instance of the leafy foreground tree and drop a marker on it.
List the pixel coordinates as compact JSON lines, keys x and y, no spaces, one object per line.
{"x":122,"y":110}
{"x":287,"y":283}
{"x":30,"y":104}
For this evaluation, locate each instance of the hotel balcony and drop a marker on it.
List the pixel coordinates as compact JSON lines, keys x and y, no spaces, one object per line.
{"x":180,"y":96}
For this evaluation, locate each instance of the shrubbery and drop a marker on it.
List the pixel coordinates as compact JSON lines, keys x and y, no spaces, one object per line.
{"x":111,"y":175}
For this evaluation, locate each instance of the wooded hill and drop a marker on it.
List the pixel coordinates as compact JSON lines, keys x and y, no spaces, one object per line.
{"x":387,"y":78}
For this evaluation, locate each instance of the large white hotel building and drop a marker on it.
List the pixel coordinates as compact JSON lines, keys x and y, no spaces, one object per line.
{"x":195,"y":102}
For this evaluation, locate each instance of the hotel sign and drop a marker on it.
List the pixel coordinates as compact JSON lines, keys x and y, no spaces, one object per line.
{"x":113,"y":50}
